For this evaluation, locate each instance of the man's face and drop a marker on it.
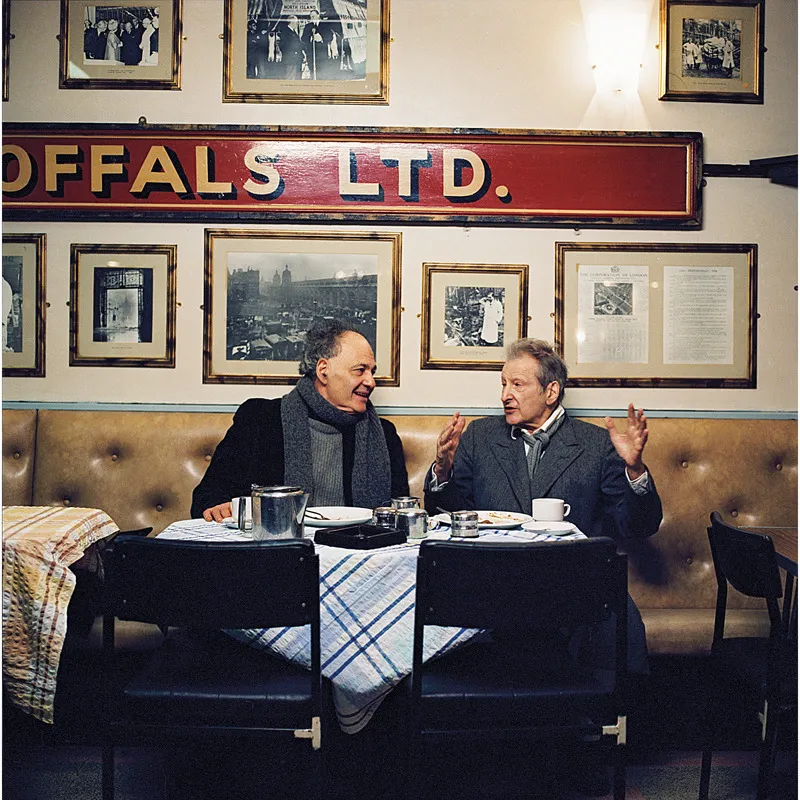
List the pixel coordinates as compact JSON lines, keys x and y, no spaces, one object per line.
{"x":346,"y":380}
{"x":525,"y":402}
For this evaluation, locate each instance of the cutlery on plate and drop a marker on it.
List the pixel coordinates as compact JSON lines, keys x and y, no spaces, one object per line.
{"x":315,"y":514}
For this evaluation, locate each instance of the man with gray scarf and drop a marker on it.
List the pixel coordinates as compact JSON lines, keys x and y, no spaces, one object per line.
{"x":324,"y":435}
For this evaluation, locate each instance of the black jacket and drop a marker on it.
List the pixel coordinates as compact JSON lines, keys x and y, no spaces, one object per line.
{"x":252,"y":452}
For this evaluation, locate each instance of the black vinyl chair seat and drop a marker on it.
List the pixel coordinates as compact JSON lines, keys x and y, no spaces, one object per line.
{"x":216,"y":681}
{"x":525,"y":682}
{"x":200,"y":682}
{"x":486,"y":685}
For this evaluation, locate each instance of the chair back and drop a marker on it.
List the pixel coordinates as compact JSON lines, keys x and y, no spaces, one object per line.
{"x":212,"y":585}
{"x":520,"y":585}
{"x":744,"y":559}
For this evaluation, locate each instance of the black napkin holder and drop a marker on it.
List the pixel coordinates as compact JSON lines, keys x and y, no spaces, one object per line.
{"x":359,"y":537}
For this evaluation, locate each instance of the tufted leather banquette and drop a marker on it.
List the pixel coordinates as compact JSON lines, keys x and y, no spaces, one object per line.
{"x":141,"y":467}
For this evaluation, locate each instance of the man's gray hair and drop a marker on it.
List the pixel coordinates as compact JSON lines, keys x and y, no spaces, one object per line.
{"x":322,"y":341}
{"x":551,"y":365}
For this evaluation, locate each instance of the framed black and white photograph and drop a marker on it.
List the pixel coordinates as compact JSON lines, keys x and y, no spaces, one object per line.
{"x":122,"y":305}
{"x":712,"y":51}
{"x":657,"y":315}
{"x":306,"y":51}
{"x":264,"y":290}
{"x":124,"y":45}
{"x":23,"y":305}
{"x":470,"y":312}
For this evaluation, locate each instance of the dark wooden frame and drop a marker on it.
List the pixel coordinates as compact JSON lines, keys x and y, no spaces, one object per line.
{"x":332,"y":92}
{"x":222,"y":369}
{"x":168,"y":253}
{"x":133,"y":78}
{"x":482,"y":355}
{"x":748,"y":89}
{"x":657,"y":374}
{"x":34,"y":353}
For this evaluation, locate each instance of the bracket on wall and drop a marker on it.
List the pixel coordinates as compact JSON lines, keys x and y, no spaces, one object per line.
{"x":782,"y":170}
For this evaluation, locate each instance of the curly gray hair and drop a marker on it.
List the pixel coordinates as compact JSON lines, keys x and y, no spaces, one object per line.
{"x":551,"y":365}
{"x":322,"y":341}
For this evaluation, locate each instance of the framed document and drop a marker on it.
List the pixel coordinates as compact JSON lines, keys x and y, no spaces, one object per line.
{"x":122,"y":45}
{"x":712,"y":52}
{"x":306,"y":51}
{"x":671,"y":315}
{"x":265,"y":289}
{"x":23,"y":305}
{"x":122,"y":305}
{"x":470,"y":312}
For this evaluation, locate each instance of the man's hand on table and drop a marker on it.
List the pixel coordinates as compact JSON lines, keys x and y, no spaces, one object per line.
{"x":218,"y":513}
{"x":446,"y":446}
{"x":630,"y":445}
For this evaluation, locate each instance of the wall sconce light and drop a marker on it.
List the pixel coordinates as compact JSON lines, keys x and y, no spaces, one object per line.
{"x":615,"y":35}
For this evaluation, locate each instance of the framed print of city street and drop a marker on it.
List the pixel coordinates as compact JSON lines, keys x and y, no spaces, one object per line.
{"x":470,"y":312}
{"x":126,"y":44}
{"x":264,"y":290}
{"x":712,"y":52}
{"x":122,"y":305}
{"x":306,"y":51}
{"x":23,"y":305}
{"x":657,"y":315}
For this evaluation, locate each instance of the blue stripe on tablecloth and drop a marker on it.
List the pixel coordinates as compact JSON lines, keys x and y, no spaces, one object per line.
{"x":372,"y":639}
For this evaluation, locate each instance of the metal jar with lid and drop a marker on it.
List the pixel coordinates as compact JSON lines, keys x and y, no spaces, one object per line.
{"x":464,"y":524}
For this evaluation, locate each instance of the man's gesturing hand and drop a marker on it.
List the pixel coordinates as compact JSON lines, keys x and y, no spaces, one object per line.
{"x":446,"y":446}
{"x":630,"y":445}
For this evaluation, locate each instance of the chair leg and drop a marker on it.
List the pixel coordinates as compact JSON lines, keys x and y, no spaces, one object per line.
{"x":766,"y":760}
{"x":705,"y":774}
{"x":107,"y":771}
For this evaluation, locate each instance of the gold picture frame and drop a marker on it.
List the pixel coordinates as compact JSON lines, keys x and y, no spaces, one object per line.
{"x":264,"y":289}
{"x":306,"y":51}
{"x":657,"y":315}
{"x":7,"y":37}
{"x":122,"y":305}
{"x":143,"y":53}
{"x":470,"y":312}
{"x":712,"y":52}
{"x":24,"y":305}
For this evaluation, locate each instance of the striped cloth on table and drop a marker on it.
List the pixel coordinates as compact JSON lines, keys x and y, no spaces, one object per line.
{"x":366,"y":617}
{"x":39,"y":545}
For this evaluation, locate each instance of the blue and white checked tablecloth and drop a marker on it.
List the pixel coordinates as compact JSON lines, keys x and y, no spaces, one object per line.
{"x":366,"y":617}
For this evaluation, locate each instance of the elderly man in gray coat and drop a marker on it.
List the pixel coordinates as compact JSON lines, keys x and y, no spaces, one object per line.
{"x":537,"y":450}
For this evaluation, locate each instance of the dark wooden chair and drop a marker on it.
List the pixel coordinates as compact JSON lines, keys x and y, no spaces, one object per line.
{"x":765,"y":666}
{"x":201,"y":683}
{"x":523,"y":593}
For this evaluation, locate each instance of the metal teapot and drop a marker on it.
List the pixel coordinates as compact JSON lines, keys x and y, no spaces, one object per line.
{"x":278,"y":511}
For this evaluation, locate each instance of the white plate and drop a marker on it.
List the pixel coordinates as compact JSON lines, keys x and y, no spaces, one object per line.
{"x":337,"y":516}
{"x":492,"y":519}
{"x":553,"y":528}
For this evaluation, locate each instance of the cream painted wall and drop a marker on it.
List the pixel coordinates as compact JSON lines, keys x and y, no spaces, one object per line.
{"x":507,"y":64}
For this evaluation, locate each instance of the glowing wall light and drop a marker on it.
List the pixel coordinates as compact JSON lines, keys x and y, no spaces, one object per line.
{"x":615,"y":35}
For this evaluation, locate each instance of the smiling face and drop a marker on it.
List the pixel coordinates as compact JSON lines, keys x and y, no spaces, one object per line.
{"x":525,"y":401}
{"x":346,"y":380}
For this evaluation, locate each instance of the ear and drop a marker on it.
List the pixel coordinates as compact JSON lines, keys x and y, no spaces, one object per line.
{"x":551,"y":393}
{"x":322,"y":371}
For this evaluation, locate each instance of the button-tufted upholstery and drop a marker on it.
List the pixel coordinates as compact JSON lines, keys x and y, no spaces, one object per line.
{"x":141,"y":467}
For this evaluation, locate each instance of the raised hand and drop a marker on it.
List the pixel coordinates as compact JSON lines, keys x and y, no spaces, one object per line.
{"x":446,"y":446}
{"x":630,"y":444}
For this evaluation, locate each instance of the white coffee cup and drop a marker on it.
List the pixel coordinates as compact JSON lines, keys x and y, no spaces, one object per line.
{"x":248,"y":511}
{"x":550,"y":509}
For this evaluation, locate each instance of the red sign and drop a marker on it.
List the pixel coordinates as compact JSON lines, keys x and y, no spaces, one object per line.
{"x":308,"y":174}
